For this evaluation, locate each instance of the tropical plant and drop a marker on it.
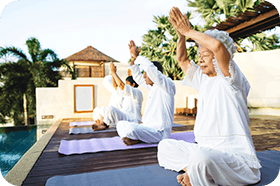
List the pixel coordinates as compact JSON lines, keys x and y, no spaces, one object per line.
{"x":69,"y":69}
{"x":263,"y":42}
{"x":160,"y":45}
{"x":216,"y":11}
{"x":40,"y":70}
{"x":15,"y":78}
{"x":213,"y":10}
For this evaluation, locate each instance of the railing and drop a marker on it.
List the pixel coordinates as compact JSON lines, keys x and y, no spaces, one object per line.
{"x":86,"y":71}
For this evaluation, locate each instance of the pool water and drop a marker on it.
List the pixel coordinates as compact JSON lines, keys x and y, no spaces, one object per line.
{"x":14,"y":142}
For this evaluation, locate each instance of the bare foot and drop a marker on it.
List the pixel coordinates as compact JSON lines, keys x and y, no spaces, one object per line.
{"x":98,"y":126}
{"x":128,"y":141}
{"x":184,"y":179}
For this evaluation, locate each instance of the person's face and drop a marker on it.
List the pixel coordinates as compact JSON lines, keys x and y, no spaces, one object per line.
{"x":205,"y":61}
{"x":147,"y":79}
{"x":128,"y":83}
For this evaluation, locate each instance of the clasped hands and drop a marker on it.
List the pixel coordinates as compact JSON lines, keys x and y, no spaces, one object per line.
{"x":179,"y":21}
{"x":133,"y":49}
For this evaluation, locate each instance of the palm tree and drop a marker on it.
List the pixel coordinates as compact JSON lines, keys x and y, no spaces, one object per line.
{"x":42,"y":67}
{"x":15,"y":79}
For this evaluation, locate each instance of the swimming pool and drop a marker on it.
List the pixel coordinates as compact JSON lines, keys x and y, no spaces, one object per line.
{"x":14,"y":142}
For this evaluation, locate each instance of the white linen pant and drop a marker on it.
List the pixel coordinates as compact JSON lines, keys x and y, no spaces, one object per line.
{"x":111,"y":115}
{"x":205,"y":166}
{"x":137,"y":131}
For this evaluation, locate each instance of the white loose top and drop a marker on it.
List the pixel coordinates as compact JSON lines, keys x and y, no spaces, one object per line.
{"x":132,"y":102}
{"x":222,"y":120}
{"x":116,"y":99}
{"x":159,"y":109}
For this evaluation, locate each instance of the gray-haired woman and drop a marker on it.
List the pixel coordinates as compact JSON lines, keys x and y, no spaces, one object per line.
{"x":224,"y":153}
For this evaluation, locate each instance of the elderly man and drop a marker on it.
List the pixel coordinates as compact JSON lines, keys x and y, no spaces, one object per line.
{"x":158,"y":115}
{"x":126,"y":106}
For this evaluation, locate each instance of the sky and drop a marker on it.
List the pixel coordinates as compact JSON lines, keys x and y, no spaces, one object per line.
{"x":69,"y":26}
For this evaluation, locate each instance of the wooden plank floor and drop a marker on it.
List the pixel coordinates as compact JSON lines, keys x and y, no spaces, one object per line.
{"x":51,"y":163}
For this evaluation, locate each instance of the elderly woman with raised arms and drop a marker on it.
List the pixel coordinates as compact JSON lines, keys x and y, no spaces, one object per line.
{"x":224,"y":153}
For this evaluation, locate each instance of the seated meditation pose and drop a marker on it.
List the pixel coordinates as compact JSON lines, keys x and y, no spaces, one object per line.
{"x":224,"y":153}
{"x":158,"y":115}
{"x":125,"y":103}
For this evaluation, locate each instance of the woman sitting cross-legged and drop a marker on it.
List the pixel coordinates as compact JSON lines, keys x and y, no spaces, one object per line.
{"x":224,"y":153}
{"x":125,"y":105}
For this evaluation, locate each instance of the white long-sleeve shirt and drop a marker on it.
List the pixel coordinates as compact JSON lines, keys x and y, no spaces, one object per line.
{"x":159,"y":110}
{"x":129,"y":100}
{"x":222,"y":120}
{"x":116,"y":99}
{"x":132,"y":102}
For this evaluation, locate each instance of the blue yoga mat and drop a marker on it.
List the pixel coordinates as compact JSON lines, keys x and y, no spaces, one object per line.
{"x":270,"y":161}
{"x":154,"y":175}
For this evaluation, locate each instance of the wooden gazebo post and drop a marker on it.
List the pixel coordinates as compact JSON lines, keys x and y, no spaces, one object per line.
{"x":103,"y":68}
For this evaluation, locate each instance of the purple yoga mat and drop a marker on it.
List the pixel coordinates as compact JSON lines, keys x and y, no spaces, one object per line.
{"x":81,"y":123}
{"x":111,"y":144}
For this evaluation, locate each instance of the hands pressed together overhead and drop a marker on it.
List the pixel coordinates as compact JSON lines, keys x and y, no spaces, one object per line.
{"x":133,"y":49}
{"x":179,"y":21}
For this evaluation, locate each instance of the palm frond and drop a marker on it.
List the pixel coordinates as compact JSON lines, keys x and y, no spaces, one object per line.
{"x":16,"y":52}
{"x":34,"y":48}
{"x":44,"y":54}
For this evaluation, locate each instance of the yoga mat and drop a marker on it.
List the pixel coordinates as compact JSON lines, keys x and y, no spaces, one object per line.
{"x":151,"y":175}
{"x":111,"y":144}
{"x":154,"y":175}
{"x":270,"y":161}
{"x":87,"y":130}
{"x":80,"y":123}
{"x":80,"y":127}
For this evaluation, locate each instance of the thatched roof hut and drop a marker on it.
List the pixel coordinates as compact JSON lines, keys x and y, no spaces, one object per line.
{"x":90,"y":54}
{"x":88,"y":62}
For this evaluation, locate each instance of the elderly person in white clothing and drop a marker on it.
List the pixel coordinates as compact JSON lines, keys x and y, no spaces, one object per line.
{"x":224,"y":153}
{"x":110,"y":84}
{"x":125,"y":105}
{"x":158,"y":115}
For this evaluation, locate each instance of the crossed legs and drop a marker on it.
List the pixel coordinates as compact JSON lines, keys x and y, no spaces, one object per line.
{"x":108,"y":116}
{"x":204,"y":166}
{"x":133,"y":133}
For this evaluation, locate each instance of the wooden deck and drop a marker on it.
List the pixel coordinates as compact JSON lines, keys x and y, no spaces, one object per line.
{"x":51,"y":163}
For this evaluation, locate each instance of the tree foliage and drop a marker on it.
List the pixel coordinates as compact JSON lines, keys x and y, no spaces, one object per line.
{"x":16,"y":81}
{"x":21,"y":77}
{"x":160,"y":45}
{"x":213,"y":10}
